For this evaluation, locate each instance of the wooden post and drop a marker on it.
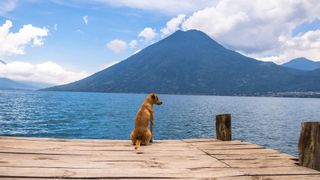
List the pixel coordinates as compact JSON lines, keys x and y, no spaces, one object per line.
{"x":223,"y":127}
{"x":309,"y":145}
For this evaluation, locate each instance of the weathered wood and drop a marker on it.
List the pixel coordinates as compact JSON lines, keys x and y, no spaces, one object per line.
{"x":272,"y":177}
{"x":291,"y":170}
{"x":261,"y":157}
{"x":223,"y":127}
{"x":309,"y":145}
{"x":42,"y":158}
{"x":241,"y":151}
{"x":260,"y":163}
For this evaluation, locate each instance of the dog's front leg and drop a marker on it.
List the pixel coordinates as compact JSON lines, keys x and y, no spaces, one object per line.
{"x":151,"y":126}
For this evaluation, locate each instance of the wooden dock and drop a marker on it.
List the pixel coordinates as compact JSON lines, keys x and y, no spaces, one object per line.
{"x":43,"y":158}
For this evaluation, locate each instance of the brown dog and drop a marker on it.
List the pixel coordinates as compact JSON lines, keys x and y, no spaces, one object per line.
{"x":141,"y":133}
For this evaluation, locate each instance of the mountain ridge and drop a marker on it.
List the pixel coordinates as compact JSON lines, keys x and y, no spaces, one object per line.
{"x":191,"y":62}
{"x":302,"y":63}
{"x":8,"y":84}
{"x":2,"y":62}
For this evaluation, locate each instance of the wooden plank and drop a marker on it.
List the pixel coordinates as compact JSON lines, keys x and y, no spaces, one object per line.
{"x":58,"y":139}
{"x":229,"y":147}
{"x":65,"y":161}
{"x":119,"y":173}
{"x":286,"y":177}
{"x":252,"y":156}
{"x":216,"y":142}
{"x":93,"y":148}
{"x":126,"y":145}
{"x":291,"y":177}
{"x":43,"y":158}
{"x":200,"y":140}
{"x":141,"y":152}
{"x":297,"y":170}
{"x":92,"y":173}
{"x":241,"y":151}
{"x":256,"y":163}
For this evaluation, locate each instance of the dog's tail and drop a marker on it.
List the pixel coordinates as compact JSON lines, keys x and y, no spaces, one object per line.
{"x":138,"y":142}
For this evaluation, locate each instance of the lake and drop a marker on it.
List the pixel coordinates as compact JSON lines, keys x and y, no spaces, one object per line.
{"x":267,"y":121}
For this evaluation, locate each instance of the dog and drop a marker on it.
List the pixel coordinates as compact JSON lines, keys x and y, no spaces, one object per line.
{"x":141,"y":135}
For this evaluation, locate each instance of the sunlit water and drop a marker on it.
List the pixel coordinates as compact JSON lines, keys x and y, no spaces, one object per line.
{"x":270,"y":122}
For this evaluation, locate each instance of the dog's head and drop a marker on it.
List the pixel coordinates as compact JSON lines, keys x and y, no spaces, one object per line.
{"x":154,"y":98}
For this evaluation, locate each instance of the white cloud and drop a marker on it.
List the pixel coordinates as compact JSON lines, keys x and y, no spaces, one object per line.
{"x":305,"y":44}
{"x":7,"y":6}
{"x":133,"y":43}
{"x":303,"y":41}
{"x":55,"y":27}
{"x":79,"y":31}
{"x":215,"y":21}
{"x":148,"y":34}
{"x":255,"y":27}
{"x":85,"y":19}
{"x":268,"y":58}
{"x":47,"y":72}
{"x":117,"y":45}
{"x":173,"y":25}
{"x":15,"y":43}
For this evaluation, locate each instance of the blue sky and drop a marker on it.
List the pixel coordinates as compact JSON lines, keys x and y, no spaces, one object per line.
{"x":75,"y":43}
{"x":68,"y":40}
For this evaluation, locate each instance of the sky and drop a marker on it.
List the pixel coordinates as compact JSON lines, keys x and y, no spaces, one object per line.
{"x":61,"y":41}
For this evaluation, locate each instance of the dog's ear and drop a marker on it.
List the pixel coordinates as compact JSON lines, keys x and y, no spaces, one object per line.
{"x":153,"y":96}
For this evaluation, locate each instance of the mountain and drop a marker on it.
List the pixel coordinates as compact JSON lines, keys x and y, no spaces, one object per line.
{"x":2,"y":62}
{"x":8,"y":84}
{"x":302,"y":64}
{"x":192,"y":63}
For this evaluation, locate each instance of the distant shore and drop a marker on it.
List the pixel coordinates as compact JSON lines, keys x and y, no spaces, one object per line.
{"x":307,"y":94}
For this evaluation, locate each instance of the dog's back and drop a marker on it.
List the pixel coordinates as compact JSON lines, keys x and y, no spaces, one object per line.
{"x":141,"y":132}
{"x":141,"y":122}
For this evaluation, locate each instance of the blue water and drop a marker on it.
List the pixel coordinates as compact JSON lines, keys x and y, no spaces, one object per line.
{"x":267,"y":121}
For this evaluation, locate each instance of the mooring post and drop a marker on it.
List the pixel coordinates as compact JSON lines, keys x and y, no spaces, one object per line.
{"x":223,"y":127}
{"x":309,"y":145}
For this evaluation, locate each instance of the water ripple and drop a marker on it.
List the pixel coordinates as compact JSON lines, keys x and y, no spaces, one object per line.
{"x":271,"y":122}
